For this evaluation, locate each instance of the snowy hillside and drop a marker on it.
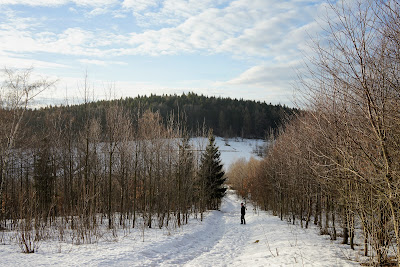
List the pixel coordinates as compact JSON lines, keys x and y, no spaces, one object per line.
{"x":218,"y":240}
{"x":233,"y":148}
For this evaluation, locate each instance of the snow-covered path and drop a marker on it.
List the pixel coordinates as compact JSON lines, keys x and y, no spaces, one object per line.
{"x":233,"y":237}
{"x":263,"y":241}
{"x":219,"y":240}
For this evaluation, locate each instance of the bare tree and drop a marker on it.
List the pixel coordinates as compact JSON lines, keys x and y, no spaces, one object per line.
{"x":16,"y":93}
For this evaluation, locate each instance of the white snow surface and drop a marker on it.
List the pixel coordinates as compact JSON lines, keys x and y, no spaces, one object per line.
{"x":218,"y":240}
{"x":232,"y":149}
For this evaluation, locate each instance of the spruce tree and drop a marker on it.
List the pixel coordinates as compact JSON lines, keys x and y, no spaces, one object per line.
{"x":212,"y":174}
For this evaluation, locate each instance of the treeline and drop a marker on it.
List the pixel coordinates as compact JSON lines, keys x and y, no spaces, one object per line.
{"x":121,"y":169}
{"x":337,"y":164}
{"x":227,"y":117}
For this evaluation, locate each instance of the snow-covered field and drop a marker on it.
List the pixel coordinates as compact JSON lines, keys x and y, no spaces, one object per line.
{"x":232,"y":149}
{"x":218,"y":240}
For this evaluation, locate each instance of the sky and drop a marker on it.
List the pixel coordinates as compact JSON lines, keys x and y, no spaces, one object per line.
{"x":249,"y":49}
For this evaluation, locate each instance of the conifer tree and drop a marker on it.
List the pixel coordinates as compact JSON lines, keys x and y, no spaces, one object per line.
{"x":212,"y":174}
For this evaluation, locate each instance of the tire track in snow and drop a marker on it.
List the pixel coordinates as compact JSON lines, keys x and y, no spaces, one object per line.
{"x":187,"y":247}
{"x":216,"y":241}
{"x":177,"y":250}
{"x":232,"y":241}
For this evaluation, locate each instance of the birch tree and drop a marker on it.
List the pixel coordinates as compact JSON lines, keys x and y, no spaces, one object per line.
{"x":18,"y":90}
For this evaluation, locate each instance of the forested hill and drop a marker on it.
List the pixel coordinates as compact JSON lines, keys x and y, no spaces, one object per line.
{"x":227,"y":117}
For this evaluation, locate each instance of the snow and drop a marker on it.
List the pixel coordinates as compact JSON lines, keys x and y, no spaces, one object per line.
{"x":218,"y":240}
{"x":232,"y":149}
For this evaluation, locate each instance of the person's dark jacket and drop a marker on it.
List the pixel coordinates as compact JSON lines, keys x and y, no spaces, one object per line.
{"x":243,"y":210}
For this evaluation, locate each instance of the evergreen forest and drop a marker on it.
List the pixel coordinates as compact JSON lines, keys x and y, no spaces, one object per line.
{"x":227,"y":117}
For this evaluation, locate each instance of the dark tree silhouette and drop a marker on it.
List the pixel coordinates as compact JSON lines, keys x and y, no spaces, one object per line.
{"x":44,"y":180}
{"x":212,"y":174}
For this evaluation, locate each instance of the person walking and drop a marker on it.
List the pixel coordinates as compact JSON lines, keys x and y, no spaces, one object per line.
{"x":243,"y":212}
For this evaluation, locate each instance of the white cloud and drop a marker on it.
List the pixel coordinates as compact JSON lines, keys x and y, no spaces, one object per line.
{"x":140,"y":5}
{"x":96,"y":3}
{"x":273,"y":82}
{"x":172,"y":12}
{"x":266,"y":75}
{"x":118,"y":14}
{"x":34,"y":2}
{"x":243,"y":28}
{"x":97,"y":11}
{"x":72,"y":41}
{"x":17,"y":23}
{"x":74,"y":37}
{"x":101,"y":62}
{"x":59,"y":2}
{"x":267,"y":34}
{"x":10,"y":61}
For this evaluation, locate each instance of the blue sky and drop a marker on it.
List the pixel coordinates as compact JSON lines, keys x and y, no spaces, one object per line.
{"x":247,"y":49}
